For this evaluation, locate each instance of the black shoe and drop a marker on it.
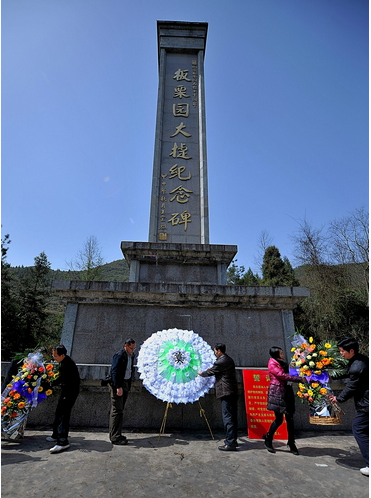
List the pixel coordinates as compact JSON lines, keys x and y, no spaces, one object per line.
{"x":268,"y":444}
{"x":293,"y":449}
{"x":235,"y":444}
{"x":226,"y":447}
{"x":121,"y":442}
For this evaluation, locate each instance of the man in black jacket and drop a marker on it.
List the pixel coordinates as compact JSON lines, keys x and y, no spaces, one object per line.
{"x":225,"y":389}
{"x":122,"y":370}
{"x":357,"y":388}
{"x":69,"y":379}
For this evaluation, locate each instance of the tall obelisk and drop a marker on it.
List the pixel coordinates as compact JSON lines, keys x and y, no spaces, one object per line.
{"x":179,"y":201}
{"x":178,"y":248}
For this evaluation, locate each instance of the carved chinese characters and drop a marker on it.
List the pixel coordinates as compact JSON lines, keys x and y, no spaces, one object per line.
{"x":179,"y":191}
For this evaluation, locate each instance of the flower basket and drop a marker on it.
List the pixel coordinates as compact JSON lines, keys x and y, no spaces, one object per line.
{"x":320,"y":420}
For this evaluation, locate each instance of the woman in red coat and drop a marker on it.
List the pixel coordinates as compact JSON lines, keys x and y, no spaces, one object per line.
{"x":280,"y":399}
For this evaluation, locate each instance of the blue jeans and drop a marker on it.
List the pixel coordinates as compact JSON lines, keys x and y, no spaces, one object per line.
{"x":360,"y":428}
{"x":229,"y":413}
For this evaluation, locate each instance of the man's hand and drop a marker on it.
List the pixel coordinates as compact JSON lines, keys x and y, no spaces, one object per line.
{"x":119,"y":391}
{"x":332,"y":399}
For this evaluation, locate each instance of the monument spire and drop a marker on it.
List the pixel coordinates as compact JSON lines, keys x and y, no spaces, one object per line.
{"x":179,"y":200}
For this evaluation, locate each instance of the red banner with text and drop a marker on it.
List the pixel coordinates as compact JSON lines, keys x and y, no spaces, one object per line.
{"x":259,"y":419}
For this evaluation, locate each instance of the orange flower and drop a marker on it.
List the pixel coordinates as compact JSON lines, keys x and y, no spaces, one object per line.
{"x":48,"y":392}
{"x":326,"y":361}
{"x":323,"y":353}
{"x":50,"y":374}
{"x":323,"y":390}
{"x":315,"y":384}
{"x":12,"y":392}
{"x":40,"y":389}
{"x":21,"y":405}
{"x":17,"y":396}
{"x":29,"y":390}
{"x":300,"y":394}
{"x":3,"y":410}
{"x":41,"y":369}
{"x":304,"y":346}
{"x":319,"y":364}
{"x":49,"y":367}
{"x":6,"y":400}
{"x":308,"y":373}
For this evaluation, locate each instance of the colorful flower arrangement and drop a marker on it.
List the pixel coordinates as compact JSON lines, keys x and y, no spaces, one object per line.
{"x":316,"y":363}
{"x":169,"y":362}
{"x":28,"y":388}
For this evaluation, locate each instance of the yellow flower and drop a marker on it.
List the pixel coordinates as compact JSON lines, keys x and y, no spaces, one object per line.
{"x":34,"y":384}
{"x":16,"y":379}
{"x":328,"y":345}
{"x":299,"y":394}
{"x":40,"y":390}
{"x":21,"y":404}
{"x":317,"y":372}
{"x":292,"y":350}
{"x":311,"y":339}
{"x":310,"y":392}
{"x":48,"y":392}
{"x":311,"y":363}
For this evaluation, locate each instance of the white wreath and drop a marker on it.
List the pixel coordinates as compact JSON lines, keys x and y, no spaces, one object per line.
{"x":169,"y":362}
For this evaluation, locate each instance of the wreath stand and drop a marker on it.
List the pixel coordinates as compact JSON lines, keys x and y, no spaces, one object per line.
{"x":169,"y":405}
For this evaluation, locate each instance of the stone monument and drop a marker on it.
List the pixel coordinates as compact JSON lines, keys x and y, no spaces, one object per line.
{"x":177,"y":278}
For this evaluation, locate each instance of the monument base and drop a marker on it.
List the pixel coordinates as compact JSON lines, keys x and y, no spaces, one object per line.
{"x":178,"y":263}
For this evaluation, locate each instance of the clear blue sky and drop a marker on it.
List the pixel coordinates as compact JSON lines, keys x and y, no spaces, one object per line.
{"x":286,"y":112}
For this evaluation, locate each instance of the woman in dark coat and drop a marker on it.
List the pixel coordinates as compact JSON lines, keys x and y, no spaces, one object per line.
{"x":280,"y":399}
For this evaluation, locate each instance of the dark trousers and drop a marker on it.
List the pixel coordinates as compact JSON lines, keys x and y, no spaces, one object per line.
{"x":360,"y":428}
{"x":116,"y":418}
{"x":277,"y":422}
{"x":61,"y":424}
{"x":229,"y":413}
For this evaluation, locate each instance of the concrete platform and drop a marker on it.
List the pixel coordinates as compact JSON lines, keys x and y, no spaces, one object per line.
{"x":182,"y":464}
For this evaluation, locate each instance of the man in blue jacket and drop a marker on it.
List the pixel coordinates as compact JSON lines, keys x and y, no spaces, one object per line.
{"x":122,"y":370}
{"x":357,"y":388}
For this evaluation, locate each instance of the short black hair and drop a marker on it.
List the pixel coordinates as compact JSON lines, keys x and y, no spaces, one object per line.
{"x":60,"y":349}
{"x":129,"y":341}
{"x":220,"y":347}
{"x":349,"y":343}
{"x":275,"y":352}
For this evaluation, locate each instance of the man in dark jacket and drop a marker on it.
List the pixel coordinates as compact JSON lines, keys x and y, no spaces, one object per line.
{"x":122,"y":370}
{"x":357,"y":388}
{"x":69,"y":379}
{"x":225,"y":389}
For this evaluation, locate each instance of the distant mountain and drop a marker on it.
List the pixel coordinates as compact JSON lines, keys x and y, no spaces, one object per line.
{"x":116,"y":271}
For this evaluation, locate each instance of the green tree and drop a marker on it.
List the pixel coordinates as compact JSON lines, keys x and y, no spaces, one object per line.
{"x":9,"y":304}
{"x":236,"y":275}
{"x":277,"y":271}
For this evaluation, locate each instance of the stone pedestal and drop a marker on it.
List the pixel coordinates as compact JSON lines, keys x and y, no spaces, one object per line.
{"x":178,"y":263}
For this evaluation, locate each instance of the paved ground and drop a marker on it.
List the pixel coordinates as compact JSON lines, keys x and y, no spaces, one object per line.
{"x":182,"y":464}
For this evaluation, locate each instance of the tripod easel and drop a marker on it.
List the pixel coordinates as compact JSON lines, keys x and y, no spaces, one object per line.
{"x":169,"y":405}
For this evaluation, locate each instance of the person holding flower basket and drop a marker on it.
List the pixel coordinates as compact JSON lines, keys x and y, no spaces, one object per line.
{"x":69,"y":379}
{"x":281,"y":399}
{"x":357,"y":387}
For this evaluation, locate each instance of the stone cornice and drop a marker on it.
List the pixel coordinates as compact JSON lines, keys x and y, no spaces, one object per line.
{"x":181,"y":295}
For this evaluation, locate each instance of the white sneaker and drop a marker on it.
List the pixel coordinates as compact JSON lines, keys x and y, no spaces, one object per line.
{"x":364,"y":471}
{"x":50,"y":439}
{"x":57,"y":448}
